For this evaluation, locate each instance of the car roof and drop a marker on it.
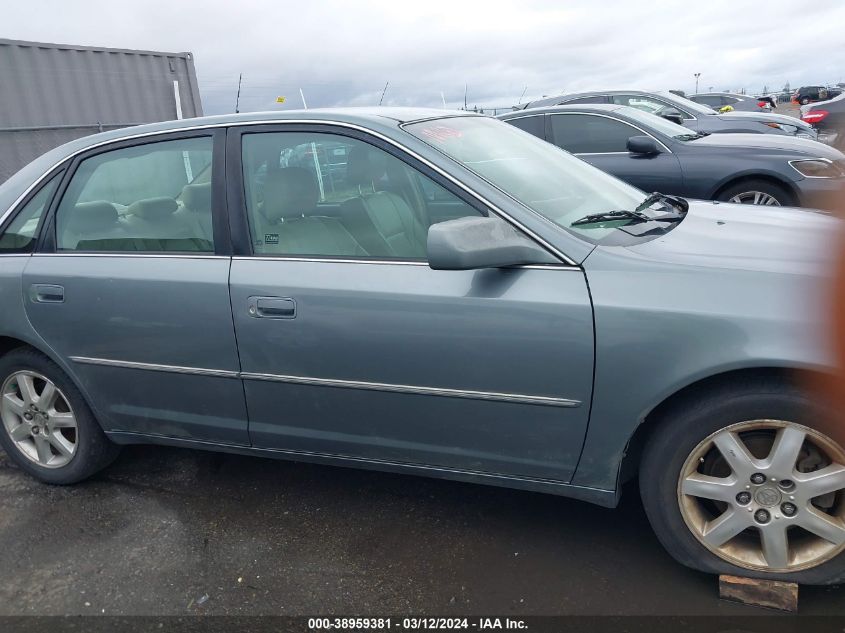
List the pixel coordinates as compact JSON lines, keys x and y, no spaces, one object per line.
{"x":571,"y":107}
{"x":361,"y":115}
{"x":722,"y":94}
{"x":539,"y":103}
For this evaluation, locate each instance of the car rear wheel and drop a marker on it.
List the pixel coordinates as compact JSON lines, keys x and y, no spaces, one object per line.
{"x":46,"y":428}
{"x":760,"y":192}
{"x":745,"y":481}
{"x":805,"y":101}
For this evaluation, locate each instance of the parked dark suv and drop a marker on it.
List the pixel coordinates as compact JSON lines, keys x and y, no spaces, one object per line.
{"x":808,"y":94}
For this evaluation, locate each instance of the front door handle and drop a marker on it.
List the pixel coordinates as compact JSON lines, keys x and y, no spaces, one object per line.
{"x":271,"y":308}
{"x":47,"y":293}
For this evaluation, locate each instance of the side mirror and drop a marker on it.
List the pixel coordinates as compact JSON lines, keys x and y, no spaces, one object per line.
{"x":673,"y":115}
{"x":472,"y":243}
{"x":643,"y":145}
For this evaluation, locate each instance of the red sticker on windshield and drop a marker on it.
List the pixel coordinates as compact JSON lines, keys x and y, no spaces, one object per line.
{"x":440,"y":133}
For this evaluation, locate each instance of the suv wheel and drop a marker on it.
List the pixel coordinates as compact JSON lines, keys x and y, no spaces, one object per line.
{"x":746,"y":482}
{"x":46,"y":427}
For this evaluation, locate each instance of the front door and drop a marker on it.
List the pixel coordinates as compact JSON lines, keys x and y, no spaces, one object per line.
{"x":352,"y":346}
{"x":602,"y":141}
{"x":131,"y":287}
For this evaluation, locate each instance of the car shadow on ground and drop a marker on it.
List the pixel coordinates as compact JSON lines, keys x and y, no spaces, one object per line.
{"x":175,"y":531}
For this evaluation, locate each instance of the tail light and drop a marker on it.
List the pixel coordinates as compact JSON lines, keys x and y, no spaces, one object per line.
{"x":762,"y":104}
{"x":814,"y":116}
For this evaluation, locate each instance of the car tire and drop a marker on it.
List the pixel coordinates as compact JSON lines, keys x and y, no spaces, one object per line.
{"x":60,"y":443}
{"x":805,"y":101}
{"x":745,"y":191}
{"x":682,"y":428}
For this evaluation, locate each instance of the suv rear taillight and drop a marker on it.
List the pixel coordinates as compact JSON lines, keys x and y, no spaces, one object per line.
{"x":814,"y":116}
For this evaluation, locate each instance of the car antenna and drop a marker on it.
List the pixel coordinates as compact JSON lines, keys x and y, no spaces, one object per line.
{"x":386,"y":84}
{"x":238,"y":98}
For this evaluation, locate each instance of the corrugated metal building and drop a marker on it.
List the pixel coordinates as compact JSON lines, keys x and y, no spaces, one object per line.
{"x":54,"y":93}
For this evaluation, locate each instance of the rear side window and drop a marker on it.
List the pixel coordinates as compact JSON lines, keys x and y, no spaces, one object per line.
{"x":590,"y":99}
{"x":647,"y":104}
{"x":20,"y":236}
{"x":532,"y":124}
{"x":148,"y":198}
{"x":714,"y":101}
{"x":588,"y":134}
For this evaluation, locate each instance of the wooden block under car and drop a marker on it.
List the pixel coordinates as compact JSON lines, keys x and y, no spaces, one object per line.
{"x":763,"y":593}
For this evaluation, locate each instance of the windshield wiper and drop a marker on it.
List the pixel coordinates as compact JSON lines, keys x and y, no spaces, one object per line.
{"x":692,"y":137}
{"x":610,"y":216}
{"x":671,"y":201}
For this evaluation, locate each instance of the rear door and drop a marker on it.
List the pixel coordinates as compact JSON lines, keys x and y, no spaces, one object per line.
{"x":130,"y":286}
{"x":350,"y":354}
{"x":602,"y":141}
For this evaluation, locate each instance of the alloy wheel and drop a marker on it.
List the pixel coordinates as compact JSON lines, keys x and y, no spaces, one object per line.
{"x":755,"y":197}
{"x":38,"y":418}
{"x":766,"y":495}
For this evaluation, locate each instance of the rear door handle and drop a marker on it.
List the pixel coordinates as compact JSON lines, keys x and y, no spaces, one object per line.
{"x":47,"y":293}
{"x":271,"y":308}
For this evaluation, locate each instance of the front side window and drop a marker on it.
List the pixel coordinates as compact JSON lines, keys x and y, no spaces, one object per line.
{"x":327,"y":195}
{"x":152,"y":198}
{"x":588,"y":134}
{"x":20,"y":235}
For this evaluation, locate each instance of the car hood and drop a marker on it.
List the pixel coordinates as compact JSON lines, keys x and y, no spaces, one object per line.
{"x":748,"y":237}
{"x":790,"y":144}
{"x":764,"y":118}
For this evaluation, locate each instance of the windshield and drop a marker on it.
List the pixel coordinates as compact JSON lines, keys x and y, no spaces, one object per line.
{"x":541,"y":176}
{"x":686,"y":104}
{"x":656,"y":123}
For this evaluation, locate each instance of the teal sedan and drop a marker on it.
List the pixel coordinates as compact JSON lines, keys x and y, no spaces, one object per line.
{"x":425,"y":292}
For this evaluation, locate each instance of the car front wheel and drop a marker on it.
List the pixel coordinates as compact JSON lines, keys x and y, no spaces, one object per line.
{"x":760,"y":192}
{"x":46,"y":427}
{"x":748,"y":482}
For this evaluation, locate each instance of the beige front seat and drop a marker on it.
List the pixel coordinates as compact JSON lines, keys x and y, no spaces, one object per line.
{"x":381,"y":220}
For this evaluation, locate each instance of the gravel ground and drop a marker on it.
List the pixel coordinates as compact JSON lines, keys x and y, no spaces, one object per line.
{"x":174,"y":532}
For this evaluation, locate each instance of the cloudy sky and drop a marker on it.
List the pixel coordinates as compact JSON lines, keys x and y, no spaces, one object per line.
{"x":342,"y":53}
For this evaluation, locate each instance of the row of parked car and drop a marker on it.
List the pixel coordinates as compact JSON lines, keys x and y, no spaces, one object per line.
{"x":662,"y":141}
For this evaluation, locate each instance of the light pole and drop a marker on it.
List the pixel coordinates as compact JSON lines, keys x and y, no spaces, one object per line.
{"x":696,"y":75}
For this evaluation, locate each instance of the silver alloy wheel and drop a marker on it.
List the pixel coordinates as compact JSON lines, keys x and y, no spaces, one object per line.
{"x":766,"y":495}
{"x":39,"y":419}
{"x":755,"y":197}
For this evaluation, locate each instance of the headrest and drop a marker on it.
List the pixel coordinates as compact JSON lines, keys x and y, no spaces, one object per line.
{"x":289,"y":192}
{"x":197,"y":197}
{"x":94,"y":215}
{"x":153,"y":208}
{"x":365,"y":165}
